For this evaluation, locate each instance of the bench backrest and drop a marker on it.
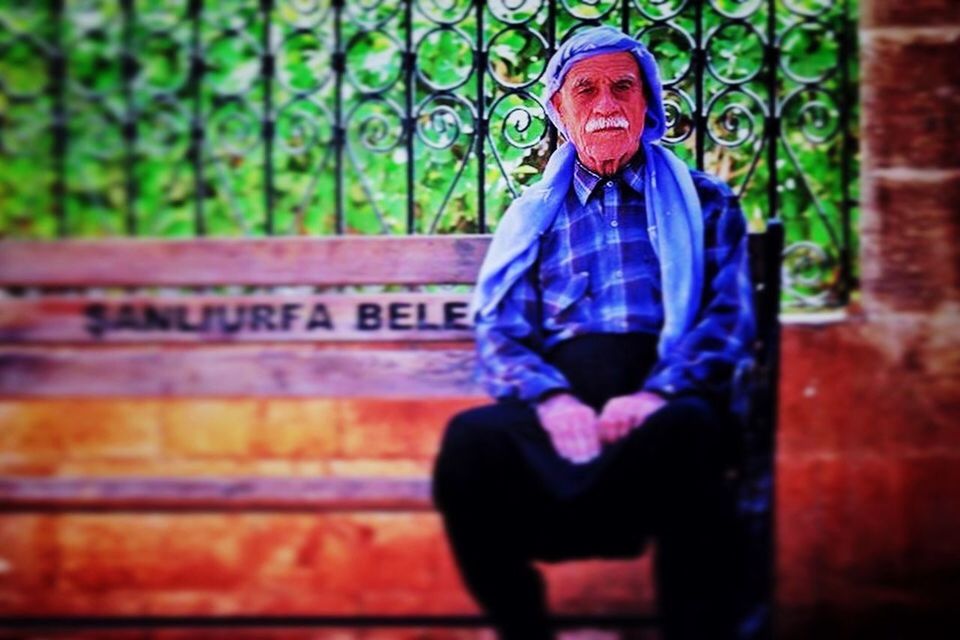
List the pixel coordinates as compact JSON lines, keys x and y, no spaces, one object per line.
{"x":80,"y":336}
{"x":110,"y":318}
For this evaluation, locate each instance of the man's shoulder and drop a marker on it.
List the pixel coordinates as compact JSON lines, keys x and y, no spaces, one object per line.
{"x":718,"y":201}
{"x":710,"y":187}
{"x":722,"y":214}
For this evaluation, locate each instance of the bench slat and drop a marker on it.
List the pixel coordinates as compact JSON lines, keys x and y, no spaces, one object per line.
{"x":213,"y":494}
{"x":321,"y":261}
{"x":296,"y":370}
{"x":248,"y":318}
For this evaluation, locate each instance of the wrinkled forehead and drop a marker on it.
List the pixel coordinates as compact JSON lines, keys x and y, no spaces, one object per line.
{"x":614,"y":66}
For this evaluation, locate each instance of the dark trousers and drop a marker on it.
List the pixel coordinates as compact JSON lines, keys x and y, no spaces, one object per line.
{"x":507,"y":498}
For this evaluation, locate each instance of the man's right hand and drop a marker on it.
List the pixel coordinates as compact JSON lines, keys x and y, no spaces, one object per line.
{"x":572,"y":426}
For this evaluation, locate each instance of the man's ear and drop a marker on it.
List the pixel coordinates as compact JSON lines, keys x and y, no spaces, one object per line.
{"x":558,"y":105}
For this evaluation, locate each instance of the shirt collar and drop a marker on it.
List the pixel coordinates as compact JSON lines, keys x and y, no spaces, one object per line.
{"x":585,"y":180}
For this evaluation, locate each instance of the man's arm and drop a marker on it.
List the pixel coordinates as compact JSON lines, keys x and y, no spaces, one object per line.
{"x":508,"y":353}
{"x":508,"y":347}
{"x":704,"y":360}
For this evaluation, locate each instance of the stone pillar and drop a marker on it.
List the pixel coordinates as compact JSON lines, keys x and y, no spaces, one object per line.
{"x":910,"y":227}
{"x":911,"y":158}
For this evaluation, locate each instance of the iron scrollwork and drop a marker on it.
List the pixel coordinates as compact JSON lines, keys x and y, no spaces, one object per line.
{"x":402,"y":116}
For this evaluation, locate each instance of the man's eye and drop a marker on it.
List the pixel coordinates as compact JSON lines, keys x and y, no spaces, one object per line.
{"x":623,"y":86}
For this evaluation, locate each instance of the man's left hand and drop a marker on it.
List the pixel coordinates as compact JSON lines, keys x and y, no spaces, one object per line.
{"x":623,"y":413}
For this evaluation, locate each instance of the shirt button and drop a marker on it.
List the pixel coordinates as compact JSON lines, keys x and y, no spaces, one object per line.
{"x":618,"y":275}
{"x":614,"y":223}
{"x":609,"y":184}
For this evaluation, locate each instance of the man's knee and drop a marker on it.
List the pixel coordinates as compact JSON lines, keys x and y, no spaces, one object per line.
{"x":693,"y":411}
{"x":467,"y":451}
{"x":688,"y":421}
{"x":467,"y":434}
{"x":687,"y":433}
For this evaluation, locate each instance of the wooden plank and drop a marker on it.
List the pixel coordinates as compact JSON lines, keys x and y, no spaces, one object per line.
{"x":347,"y":260}
{"x":296,"y":370}
{"x":252,"y":318}
{"x":21,"y":494}
{"x":320,"y":261}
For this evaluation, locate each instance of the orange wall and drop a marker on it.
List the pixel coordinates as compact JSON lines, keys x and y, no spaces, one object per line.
{"x":868,"y":473}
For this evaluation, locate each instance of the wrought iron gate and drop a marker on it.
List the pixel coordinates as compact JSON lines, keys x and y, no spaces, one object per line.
{"x":187,"y":118}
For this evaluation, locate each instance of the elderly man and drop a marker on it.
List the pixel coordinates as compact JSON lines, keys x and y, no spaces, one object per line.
{"x":612,"y":310}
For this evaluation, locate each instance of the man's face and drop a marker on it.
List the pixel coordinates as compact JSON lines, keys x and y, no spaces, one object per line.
{"x":602,"y":106}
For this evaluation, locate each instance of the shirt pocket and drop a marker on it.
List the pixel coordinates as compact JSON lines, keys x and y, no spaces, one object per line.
{"x":566,"y":302}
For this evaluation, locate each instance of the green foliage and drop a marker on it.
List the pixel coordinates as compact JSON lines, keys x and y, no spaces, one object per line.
{"x":156,"y":184}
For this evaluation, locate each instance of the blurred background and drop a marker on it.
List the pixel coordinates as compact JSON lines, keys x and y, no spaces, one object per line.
{"x":164,"y":119}
{"x":174,"y":119}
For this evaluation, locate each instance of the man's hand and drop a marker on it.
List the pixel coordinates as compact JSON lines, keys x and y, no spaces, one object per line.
{"x":572,"y":426}
{"x":623,"y":413}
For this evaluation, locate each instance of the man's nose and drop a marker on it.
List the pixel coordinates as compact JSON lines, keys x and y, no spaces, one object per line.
{"x":606,"y":103}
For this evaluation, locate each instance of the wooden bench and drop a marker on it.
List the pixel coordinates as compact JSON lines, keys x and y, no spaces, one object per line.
{"x":285,"y":317}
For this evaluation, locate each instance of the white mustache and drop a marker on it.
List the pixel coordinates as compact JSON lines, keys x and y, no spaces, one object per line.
{"x":615,"y":122}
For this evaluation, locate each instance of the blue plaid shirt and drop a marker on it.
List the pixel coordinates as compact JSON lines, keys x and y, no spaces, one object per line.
{"x":597,"y":273}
